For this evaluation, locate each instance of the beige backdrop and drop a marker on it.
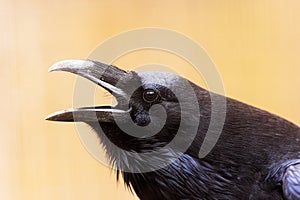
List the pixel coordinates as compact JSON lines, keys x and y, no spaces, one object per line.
{"x":255,"y":44}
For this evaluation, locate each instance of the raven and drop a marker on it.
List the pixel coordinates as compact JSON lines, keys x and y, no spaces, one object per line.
{"x":257,"y":154}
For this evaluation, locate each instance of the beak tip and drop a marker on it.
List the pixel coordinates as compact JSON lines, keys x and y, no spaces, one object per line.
{"x":56,"y":116}
{"x":49,"y":117}
{"x":56,"y":66}
{"x":50,"y":69}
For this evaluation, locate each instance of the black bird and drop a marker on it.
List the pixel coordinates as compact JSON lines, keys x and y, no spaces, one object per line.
{"x":257,"y":154}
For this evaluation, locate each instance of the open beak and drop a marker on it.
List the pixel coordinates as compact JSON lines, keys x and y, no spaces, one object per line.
{"x":106,"y":76}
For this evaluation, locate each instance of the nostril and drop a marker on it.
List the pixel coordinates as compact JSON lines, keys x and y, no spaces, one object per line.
{"x":141,"y":119}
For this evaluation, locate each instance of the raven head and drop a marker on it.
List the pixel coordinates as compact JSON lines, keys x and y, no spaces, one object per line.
{"x":151,"y":108}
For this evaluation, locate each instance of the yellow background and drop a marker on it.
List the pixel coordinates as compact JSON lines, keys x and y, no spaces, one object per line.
{"x":254,"y":43}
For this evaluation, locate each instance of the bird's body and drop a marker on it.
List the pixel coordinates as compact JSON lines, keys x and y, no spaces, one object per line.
{"x":257,"y":155}
{"x":248,"y":162}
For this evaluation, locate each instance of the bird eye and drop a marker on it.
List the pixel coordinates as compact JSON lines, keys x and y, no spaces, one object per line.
{"x":150,"y":95}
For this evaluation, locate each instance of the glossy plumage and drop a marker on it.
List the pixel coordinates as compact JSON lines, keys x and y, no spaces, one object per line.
{"x":256,"y":157}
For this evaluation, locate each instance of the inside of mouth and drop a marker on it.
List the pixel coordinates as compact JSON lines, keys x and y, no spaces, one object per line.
{"x":102,"y":107}
{"x":98,"y":107}
{"x":102,"y":97}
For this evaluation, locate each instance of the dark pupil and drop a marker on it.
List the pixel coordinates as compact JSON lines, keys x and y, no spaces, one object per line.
{"x":150,"y":95}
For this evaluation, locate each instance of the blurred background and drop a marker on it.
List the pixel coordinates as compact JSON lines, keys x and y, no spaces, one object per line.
{"x":254,"y":43}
